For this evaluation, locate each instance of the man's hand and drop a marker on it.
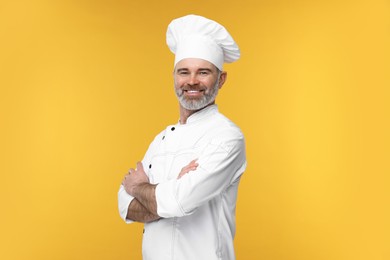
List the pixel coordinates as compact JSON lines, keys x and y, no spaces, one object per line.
{"x":134,"y":179}
{"x":136,"y":183}
{"x":190,"y":167}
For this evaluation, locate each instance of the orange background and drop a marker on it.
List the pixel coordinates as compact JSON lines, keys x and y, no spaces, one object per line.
{"x":86,"y":85}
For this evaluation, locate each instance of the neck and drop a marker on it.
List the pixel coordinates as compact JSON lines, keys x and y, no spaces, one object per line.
{"x":185,"y":113}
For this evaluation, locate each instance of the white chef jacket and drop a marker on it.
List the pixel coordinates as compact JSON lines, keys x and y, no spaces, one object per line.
{"x":198,"y":210}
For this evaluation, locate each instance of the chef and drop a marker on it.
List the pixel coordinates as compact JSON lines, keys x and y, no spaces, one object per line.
{"x":185,"y":188}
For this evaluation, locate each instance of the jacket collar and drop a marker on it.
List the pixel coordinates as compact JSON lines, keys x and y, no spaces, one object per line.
{"x":201,"y":114}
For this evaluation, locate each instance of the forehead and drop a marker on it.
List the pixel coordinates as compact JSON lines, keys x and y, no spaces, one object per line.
{"x":195,"y":64}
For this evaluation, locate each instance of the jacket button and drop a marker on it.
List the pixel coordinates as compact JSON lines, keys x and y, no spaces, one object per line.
{"x":150,"y":166}
{"x":163,"y":137}
{"x":173,"y":128}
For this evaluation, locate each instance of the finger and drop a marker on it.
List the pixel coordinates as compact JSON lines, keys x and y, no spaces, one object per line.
{"x":191,"y":163}
{"x":194,"y":161}
{"x":140,"y":166}
{"x":193,"y":167}
{"x":186,"y":167}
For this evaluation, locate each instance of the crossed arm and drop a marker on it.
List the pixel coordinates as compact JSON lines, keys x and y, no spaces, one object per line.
{"x":143,"y":208}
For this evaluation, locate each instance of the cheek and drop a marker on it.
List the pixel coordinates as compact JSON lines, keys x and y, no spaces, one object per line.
{"x":177,"y":87}
{"x":209,"y":83}
{"x":180,"y":83}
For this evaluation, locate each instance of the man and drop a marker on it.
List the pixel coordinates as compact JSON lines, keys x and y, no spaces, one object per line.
{"x":185,"y":189}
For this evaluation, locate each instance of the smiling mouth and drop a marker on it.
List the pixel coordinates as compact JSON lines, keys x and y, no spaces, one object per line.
{"x":193,"y":93}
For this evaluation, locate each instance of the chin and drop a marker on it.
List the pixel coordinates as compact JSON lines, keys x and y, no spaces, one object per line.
{"x":193,"y":106}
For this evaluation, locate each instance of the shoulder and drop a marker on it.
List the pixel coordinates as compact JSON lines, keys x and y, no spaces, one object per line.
{"x":224,"y":125}
{"x":226,"y":132}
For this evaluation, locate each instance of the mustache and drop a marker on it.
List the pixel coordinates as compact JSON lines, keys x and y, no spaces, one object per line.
{"x":192,"y":88}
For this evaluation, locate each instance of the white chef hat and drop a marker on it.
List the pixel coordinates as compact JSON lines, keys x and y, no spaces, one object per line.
{"x":194,"y":36}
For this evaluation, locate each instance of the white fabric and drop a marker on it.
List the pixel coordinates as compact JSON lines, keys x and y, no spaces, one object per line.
{"x":194,"y":36}
{"x":124,"y":200}
{"x":198,"y":210}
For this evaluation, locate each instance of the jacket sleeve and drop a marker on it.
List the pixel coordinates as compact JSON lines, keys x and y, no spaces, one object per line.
{"x":220,"y":165}
{"x":124,"y":200}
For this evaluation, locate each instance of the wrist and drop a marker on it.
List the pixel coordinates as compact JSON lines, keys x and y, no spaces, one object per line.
{"x":142,"y":189}
{"x":145,"y":193}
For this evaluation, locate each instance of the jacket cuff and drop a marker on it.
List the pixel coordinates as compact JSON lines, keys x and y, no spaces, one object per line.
{"x":124,"y":200}
{"x":167,"y":204}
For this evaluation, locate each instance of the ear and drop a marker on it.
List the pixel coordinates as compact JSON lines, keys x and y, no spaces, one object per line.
{"x":222,"y":79}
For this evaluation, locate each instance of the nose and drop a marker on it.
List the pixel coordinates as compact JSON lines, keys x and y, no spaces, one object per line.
{"x":193,"y":80}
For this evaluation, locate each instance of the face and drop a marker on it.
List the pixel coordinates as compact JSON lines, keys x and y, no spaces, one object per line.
{"x":197,"y":83}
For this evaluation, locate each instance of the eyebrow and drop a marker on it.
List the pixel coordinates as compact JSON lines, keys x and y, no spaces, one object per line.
{"x":200,"y":69}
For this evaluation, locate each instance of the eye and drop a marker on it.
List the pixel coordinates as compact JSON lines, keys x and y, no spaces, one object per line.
{"x":182,"y":72}
{"x":204,"y":72}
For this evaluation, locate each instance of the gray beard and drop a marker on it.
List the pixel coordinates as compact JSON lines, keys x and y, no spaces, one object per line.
{"x":196,"y":104}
